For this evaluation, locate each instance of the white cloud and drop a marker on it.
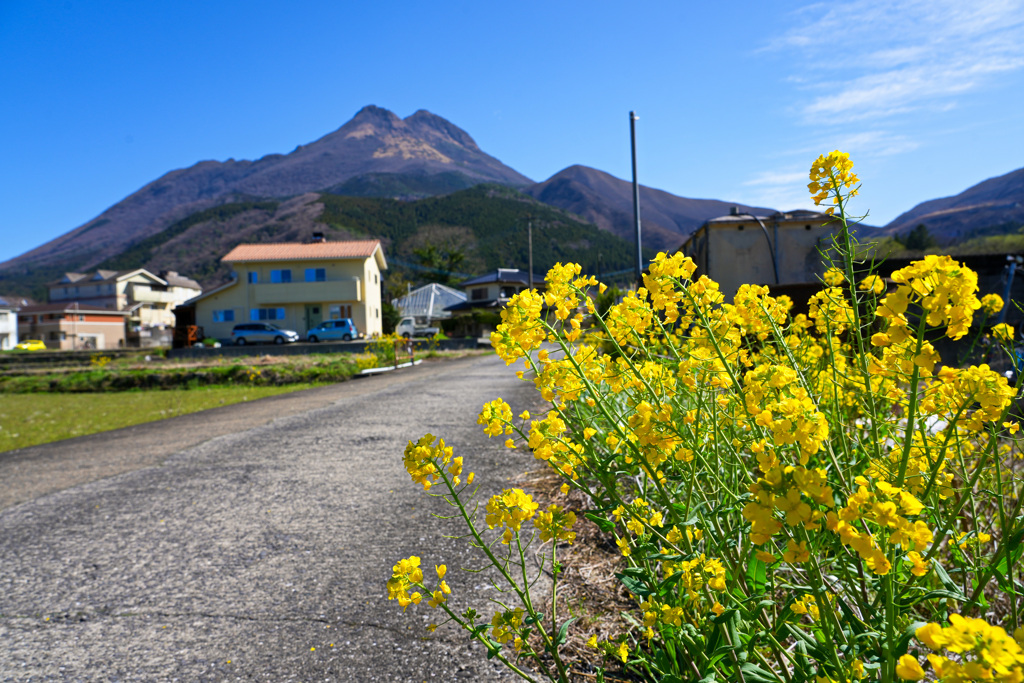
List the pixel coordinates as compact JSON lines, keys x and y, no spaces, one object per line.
{"x":776,"y":178}
{"x":872,"y":59}
{"x":863,"y":144}
{"x":783,"y":189}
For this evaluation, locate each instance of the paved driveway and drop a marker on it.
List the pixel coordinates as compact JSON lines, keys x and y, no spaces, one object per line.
{"x":251,"y":542}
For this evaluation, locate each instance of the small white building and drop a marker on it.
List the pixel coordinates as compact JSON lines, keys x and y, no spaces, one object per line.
{"x":8,"y":325}
{"x":428,"y":303}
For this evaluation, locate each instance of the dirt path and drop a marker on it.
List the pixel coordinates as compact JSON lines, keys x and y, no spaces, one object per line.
{"x":250,"y":542}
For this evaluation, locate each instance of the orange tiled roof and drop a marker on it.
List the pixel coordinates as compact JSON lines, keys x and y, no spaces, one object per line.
{"x":296,"y":251}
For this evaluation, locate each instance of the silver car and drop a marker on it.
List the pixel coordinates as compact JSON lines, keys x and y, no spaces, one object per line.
{"x":253,"y":333}
{"x":343,"y":329}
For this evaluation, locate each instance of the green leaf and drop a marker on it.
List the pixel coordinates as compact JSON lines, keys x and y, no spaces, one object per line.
{"x":563,"y":633}
{"x":665,"y":557}
{"x":603,"y":524}
{"x":1009,"y":557}
{"x":804,"y":641}
{"x":755,"y":674}
{"x":757,"y":575}
{"x":947,"y":582}
{"x":634,"y":585}
{"x":850,"y":617}
{"x":903,"y":644}
{"x":932,"y":595}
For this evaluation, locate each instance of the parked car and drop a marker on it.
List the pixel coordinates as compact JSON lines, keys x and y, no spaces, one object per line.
{"x":407,"y":327}
{"x":252,"y":333}
{"x":343,"y":329}
{"x":30,"y":345}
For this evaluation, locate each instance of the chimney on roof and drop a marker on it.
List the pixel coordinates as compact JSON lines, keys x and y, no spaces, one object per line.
{"x":318,"y":237}
{"x":734,"y":211}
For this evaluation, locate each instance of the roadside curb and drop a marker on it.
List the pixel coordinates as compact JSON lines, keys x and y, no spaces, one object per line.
{"x":376,"y":371}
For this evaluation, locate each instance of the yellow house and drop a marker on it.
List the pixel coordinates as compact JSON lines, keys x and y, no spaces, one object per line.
{"x":296,"y":286}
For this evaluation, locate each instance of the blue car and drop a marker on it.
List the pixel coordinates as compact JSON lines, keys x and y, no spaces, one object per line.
{"x":343,"y":329}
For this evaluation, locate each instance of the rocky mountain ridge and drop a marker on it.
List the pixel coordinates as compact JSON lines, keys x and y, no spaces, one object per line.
{"x":375,"y":141}
{"x":378,"y":154}
{"x":992,"y":206}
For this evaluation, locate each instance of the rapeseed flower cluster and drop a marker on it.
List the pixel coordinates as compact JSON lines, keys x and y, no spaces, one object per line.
{"x":788,"y":491}
{"x":981,"y":652}
{"x":510,"y":509}
{"x":831,"y":174}
{"x":404,"y":576}
{"x":425,"y":460}
{"x":556,"y":523}
{"x":496,"y":416}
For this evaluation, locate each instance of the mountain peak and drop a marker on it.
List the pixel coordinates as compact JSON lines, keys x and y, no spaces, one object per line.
{"x":372,"y":112}
{"x":425,"y":123}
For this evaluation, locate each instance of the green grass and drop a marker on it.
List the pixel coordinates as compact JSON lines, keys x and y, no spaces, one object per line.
{"x":30,"y":419}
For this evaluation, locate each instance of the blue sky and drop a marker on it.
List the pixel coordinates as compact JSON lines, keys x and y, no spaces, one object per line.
{"x":735,"y":99}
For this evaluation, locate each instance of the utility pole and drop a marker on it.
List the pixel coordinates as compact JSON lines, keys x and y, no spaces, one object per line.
{"x":636,"y":200}
{"x":529,"y":240}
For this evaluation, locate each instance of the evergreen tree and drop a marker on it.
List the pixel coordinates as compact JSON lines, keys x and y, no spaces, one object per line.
{"x":919,"y":239}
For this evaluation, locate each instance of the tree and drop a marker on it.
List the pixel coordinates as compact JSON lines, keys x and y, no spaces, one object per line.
{"x":389,"y":317}
{"x":442,"y":251}
{"x":918,"y":239}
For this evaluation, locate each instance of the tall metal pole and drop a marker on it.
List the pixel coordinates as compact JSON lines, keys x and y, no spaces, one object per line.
{"x":529,"y":238}
{"x":636,"y":200}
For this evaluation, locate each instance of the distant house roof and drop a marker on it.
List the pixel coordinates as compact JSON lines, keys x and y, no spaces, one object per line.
{"x":104,"y":276}
{"x":470,"y":305}
{"x":504,"y":275}
{"x":306,"y":251}
{"x":429,"y":301}
{"x":15,"y":303}
{"x":70,"y":307}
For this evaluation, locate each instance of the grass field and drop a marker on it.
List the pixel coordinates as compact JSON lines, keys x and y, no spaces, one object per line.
{"x":30,"y":419}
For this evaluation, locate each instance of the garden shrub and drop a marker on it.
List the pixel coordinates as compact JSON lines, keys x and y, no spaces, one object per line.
{"x":796,"y":498}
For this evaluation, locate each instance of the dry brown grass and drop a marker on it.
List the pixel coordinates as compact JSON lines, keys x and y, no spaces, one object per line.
{"x":587,"y":588}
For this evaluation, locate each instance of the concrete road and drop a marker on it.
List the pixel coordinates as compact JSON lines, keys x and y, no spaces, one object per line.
{"x":250,"y":542}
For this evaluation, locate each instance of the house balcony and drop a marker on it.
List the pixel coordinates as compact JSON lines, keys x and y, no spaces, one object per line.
{"x":345,"y":289}
{"x":148,"y":296}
